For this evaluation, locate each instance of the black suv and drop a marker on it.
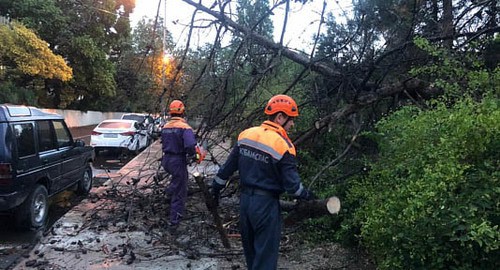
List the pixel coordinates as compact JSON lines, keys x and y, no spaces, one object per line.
{"x":38,"y":159}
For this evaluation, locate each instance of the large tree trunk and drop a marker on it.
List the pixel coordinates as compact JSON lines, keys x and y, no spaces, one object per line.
{"x":447,"y":23}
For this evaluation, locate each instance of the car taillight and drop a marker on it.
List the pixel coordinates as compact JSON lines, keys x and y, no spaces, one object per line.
{"x":128,"y":133}
{"x":5,"y":174}
{"x":95,"y":133}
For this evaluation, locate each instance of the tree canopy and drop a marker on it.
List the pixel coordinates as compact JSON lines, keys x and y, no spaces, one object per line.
{"x":89,"y":35}
{"x":22,"y":50}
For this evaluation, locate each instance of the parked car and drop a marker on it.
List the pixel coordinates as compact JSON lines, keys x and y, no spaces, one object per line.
{"x":158,"y":126}
{"x":119,"y":134}
{"x":38,"y":159}
{"x":145,"y":120}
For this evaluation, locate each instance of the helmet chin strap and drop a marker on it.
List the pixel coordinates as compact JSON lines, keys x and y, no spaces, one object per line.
{"x":287,"y":120}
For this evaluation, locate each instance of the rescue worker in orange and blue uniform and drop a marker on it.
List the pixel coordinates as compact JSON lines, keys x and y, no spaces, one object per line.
{"x":178,"y":145}
{"x":266,"y":160}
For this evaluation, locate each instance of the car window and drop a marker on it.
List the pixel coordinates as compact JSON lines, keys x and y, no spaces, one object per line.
{"x":62,"y":134}
{"x":121,"y":125}
{"x":25,"y":139}
{"x":45,"y":136}
{"x":138,"y":118}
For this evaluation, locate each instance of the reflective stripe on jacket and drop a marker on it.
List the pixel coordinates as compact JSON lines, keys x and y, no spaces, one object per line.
{"x":265,"y":158}
{"x":177,"y":138}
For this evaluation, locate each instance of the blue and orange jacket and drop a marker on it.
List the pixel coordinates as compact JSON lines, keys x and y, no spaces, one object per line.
{"x":177,"y":138}
{"x":266,"y":159}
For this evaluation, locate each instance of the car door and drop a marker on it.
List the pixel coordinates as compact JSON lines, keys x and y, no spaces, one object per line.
{"x":30,"y":165}
{"x":71,"y":164}
{"x":49,"y":155}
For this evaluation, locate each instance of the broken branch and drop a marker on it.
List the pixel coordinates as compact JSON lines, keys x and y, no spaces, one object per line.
{"x":212,"y":208}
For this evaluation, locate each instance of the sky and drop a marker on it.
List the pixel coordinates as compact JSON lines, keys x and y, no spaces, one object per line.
{"x":303,"y":21}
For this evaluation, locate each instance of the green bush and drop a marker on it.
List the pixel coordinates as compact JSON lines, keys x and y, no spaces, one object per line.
{"x":431,"y":200}
{"x":10,"y":93}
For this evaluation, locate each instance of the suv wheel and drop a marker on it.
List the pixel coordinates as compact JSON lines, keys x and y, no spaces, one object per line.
{"x":34,"y":210}
{"x":85,"y":183}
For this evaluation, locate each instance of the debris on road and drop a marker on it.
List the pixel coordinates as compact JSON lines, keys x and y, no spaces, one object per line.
{"x":123,"y":225}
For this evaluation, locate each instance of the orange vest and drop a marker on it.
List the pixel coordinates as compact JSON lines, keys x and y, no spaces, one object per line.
{"x":270,"y":138}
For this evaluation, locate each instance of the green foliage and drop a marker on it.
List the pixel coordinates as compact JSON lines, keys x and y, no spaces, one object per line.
{"x":144,"y":72}
{"x":94,"y":73}
{"x":30,"y":55}
{"x":432,"y":199}
{"x":89,"y":35}
{"x":44,"y":17}
{"x":10,"y":93}
{"x":249,"y":81}
{"x":457,"y":75}
{"x":323,"y":229}
{"x":254,"y":14}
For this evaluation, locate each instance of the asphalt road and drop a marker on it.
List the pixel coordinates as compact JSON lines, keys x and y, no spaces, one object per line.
{"x":107,"y":162}
{"x":14,"y":244}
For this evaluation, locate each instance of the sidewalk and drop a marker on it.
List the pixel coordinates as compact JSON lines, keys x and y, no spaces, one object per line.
{"x":85,"y":238}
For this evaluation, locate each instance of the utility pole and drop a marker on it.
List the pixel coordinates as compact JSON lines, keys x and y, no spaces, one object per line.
{"x":164,"y":79}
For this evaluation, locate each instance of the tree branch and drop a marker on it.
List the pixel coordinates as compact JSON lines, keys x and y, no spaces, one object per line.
{"x":302,"y":59}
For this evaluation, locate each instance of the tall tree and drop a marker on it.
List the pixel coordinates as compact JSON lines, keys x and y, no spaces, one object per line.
{"x":45,"y":17}
{"x":27,"y":60}
{"x":94,"y":43}
{"x":21,"y":49}
{"x":144,"y":69}
{"x":88,"y":34}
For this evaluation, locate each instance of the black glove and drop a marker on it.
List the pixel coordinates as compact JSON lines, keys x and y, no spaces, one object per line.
{"x":307,"y":195}
{"x":215,"y":192}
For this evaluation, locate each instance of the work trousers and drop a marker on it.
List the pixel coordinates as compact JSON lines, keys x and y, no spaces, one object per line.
{"x":260,"y":222}
{"x":176,"y":166}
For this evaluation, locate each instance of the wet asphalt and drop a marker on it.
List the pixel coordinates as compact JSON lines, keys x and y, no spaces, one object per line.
{"x":16,"y":244}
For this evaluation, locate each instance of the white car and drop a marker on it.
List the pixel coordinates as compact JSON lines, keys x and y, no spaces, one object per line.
{"x":119,"y":134}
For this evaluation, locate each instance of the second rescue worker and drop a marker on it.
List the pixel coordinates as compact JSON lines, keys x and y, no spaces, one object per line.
{"x":178,"y":145}
{"x":265,"y":158}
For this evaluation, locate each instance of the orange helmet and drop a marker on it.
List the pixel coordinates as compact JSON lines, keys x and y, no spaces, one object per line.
{"x":177,"y":107}
{"x":282,"y":103}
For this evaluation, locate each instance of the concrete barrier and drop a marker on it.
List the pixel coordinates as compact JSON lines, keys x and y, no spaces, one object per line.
{"x":75,"y":118}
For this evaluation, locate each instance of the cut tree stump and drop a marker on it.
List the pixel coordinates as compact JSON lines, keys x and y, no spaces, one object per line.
{"x":310,"y":209}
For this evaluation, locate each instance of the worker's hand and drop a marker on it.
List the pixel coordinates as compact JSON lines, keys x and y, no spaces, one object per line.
{"x":307,"y":195}
{"x":215,"y":192}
